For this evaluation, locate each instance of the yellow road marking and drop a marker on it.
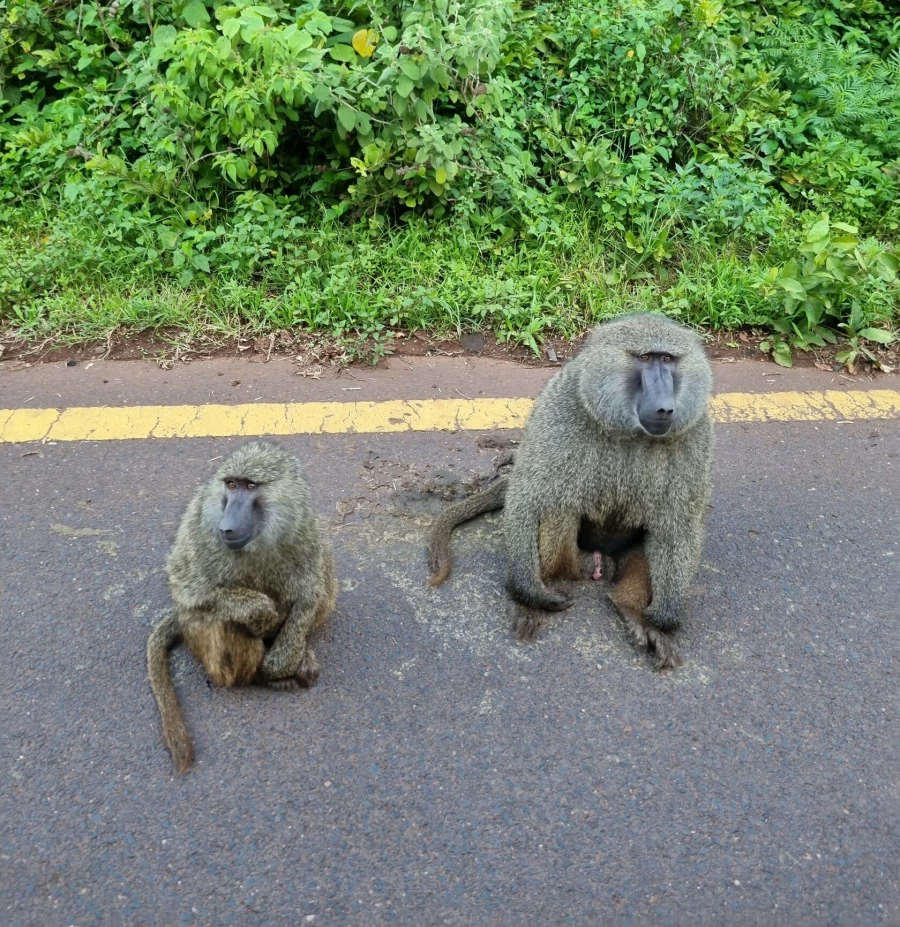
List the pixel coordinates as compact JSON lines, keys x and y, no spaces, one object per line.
{"x":322,"y":418}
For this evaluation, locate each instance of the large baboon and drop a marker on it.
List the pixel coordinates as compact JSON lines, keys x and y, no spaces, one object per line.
{"x":615,"y":459}
{"x":249,"y":564}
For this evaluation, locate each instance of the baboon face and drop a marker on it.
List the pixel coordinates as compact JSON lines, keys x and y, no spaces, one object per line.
{"x":655,"y":386}
{"x":242,"y":512}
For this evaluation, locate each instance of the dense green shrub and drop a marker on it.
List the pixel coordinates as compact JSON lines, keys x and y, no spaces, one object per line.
{"x":216,"y":136}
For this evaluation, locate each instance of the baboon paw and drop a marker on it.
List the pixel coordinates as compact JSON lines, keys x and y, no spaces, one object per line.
{"x":666,"y":651}
{"x":308,"y":672}
{"x":667,"y":663}
{"x":640,"y":638}
{"x":284,"y":685}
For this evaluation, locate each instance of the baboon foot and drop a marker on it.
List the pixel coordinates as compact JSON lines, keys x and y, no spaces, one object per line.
{"x":638,"y":634}
{"x":308,"y":671}
{"x":598,"y":565}
{"x":666,"y":650}
{"x":662,"y":645}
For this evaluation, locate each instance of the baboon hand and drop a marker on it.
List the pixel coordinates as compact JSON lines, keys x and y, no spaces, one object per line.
{"x":256,"y":611}
{"x":255,"y":603}
{"x":305,"y":677}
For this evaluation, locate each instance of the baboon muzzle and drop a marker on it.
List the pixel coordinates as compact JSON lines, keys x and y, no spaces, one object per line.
{"x":656,"y":404}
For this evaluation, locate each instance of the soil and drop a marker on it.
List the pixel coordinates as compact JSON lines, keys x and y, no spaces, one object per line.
{"x":170,"y":346}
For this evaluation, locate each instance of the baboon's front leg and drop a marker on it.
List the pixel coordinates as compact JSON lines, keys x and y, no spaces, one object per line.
{"x":290,"y":662}
{"x":254,"y":611}
{"x":673,"y":552}
{"x":632,"y":594}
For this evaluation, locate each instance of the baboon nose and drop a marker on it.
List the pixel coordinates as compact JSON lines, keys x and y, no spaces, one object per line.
{"x":665,"y":411}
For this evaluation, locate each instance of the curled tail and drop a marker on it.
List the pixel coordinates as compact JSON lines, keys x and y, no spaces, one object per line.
{"x":440,"y":559}
{"x":163,"y":637}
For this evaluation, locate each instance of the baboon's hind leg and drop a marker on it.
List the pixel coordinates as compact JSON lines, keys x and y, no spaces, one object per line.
{"x":558,"y":550}
{"x":308,"y":671}
{"x":631,"y":595}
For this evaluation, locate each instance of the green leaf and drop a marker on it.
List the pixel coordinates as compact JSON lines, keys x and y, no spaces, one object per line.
{"x":410,"y":69}
{"x":818,"y":231}
{"x":251,"y":23}
{"x":887,"y":266}
{"x":782,"y":355}
{"x":877,"y":334}
{"x":297,"y":39}
{"x":440,"y":175}
{"x":164,"y":35}
{"x":404,"y":86}
{"x":389,"y":33}
{"x":346,"y":117}
{"x":794,"y":287}
{"x":195,"y":14}
{"x":632,"y":242}
{"x":201,"y":262}
{"x":342,"y":53}
{"x":641,"y":51}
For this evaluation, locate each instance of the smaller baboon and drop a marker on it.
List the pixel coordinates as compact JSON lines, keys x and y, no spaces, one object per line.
{"x":249,"y":568}
{"x":614,"y":463}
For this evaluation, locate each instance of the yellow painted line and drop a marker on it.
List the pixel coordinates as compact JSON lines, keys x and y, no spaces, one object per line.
{"x":826,"y":406}
{"x":322,"y":418}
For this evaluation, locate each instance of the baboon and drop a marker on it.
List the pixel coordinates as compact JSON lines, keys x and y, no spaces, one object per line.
{"x":615,"y":461}
{"x":249,"y":568}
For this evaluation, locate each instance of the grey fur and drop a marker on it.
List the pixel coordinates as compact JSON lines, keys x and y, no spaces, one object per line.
{"x":585,"y":456}
{"x":228,"y":603}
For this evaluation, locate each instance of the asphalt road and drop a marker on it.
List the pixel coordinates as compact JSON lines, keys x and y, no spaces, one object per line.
{"x":441,"y":773}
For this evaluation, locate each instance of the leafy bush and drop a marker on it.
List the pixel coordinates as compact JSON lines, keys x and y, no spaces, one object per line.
{"x":188,"y":138}
{"x":835,"y":276}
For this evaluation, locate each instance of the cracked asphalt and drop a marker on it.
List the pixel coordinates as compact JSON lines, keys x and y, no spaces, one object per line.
{"x":441,"y":773}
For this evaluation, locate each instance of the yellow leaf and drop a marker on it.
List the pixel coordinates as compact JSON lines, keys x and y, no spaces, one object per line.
{"x":440,"y":175}
{"x":364,"y":42}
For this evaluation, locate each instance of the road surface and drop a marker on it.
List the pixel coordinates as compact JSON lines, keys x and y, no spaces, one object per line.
{"x":440,"y":772}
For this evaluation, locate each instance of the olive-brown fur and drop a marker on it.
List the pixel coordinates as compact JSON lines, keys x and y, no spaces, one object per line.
{"x":586,"y":459}
{"x":245,"y":615}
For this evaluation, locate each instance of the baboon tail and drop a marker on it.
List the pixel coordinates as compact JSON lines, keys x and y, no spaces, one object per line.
{"x":440,"y":558}
{"x":163,"y":637}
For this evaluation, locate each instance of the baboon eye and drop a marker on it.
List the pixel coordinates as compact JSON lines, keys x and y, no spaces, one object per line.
{"x":251,"y":486}
{"x":231,"y":484}
{"x":644,"y":357}
{"x":667,"y":358}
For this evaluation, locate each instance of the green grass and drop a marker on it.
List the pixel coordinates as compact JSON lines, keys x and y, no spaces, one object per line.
{"x":71,"y":283}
